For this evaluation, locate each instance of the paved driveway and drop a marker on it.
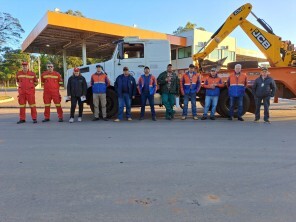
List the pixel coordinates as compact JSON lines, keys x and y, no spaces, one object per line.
{"x":148,"y":171}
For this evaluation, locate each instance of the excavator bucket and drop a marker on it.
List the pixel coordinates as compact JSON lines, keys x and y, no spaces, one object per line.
{"x":206,"y":65}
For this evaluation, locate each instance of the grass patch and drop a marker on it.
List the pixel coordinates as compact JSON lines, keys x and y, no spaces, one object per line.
{"x":5,"y":97}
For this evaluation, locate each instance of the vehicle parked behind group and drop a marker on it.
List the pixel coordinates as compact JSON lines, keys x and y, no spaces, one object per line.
{"x":135,"y":54}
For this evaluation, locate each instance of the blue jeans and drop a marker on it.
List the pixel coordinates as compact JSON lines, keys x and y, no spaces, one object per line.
{"x":192,"y":97}
{"x":232,"y":102}
{"x":144,"y":97}
{"x":124,"y":100}
{"x":210,"y":100}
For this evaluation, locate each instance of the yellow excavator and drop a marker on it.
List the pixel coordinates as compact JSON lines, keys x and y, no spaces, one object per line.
{"x":280,"y":54}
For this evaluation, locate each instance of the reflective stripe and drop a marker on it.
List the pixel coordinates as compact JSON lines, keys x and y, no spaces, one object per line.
{"x":26,"y":76}
{"x":22,"y":105}
{"x":237,"y":84}
{"x":32,"y":105}
{"x":101,"y":82}
{"x":47,"y":104}
{"x":96,"y":82}
{"x":61,"y":82}
{"x":57,"y":104}
{"x":50,"y":76}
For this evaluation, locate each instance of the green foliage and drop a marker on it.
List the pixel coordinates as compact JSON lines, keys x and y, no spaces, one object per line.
{"x":10,"y":29}
{"x":74,"y":13}
{"x":11,"y":60}
{"x":187,"y":27}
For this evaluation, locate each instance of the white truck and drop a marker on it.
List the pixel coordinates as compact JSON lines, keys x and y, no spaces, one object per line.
{"x":134,"y":53}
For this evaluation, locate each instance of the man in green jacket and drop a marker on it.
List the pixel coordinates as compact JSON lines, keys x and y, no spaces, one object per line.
{"x":169,"y":85}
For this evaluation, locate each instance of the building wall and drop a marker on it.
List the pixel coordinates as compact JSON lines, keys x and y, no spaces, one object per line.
{"x":195,"y":39}
{"x":256,"y":54}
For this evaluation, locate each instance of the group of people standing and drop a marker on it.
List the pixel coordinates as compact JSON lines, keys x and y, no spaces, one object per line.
{"x":168,"y":83}
{"x":27,"y":81}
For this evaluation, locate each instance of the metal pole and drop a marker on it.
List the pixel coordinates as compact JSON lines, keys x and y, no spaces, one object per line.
{"x":84,"y":52}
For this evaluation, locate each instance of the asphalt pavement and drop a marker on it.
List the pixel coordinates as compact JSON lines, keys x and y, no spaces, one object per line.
{"x":183,"y":171}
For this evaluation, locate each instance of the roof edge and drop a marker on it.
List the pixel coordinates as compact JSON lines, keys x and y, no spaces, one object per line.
{"x":42,"y":24}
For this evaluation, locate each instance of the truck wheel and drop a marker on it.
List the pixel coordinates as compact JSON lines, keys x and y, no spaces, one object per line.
{"x":202,"y":103}
{"x":112,"y":103}
{"x":91,"y":106}
{"x":223,"y":104}
{"x":181,"y":101}
{"x":218,"y":110}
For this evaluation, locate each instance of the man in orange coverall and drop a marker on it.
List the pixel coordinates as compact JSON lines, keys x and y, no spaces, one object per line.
{"x":52,"y":81}
{"x":26,"y":88}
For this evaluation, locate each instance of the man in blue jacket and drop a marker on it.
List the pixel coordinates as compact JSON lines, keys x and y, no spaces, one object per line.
{"x":237,"y":84}
{"x":212,"y":85}
{"x":126,"y":88}
{"x":147,"y":88}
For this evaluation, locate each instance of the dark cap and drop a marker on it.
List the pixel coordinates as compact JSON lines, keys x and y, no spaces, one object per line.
{"x":146,"y":67}
{"x":99,"y":66}
{"x":24,"y":63}
{"x":125,"y":68}
{"x":191,"y":66}
{"x":170,"y":65}
{"x":264,"y":69}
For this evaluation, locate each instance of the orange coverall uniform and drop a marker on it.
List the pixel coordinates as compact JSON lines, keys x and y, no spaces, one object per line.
{"x":52,"y":82}
{"x":26,"y":90}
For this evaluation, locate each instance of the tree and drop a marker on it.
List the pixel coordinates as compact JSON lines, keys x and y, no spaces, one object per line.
{"x":74,"y":13}
{"x":10,"y":29}
{"x":11,"y":60}
{"x":187,"y":27}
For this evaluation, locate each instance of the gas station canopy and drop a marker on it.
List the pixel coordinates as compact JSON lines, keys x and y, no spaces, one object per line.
{"x":59,"y":33}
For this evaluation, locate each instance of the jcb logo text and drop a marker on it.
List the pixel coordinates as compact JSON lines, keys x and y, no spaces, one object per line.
{"x":237,"y":11}
{"x":261,"y":39}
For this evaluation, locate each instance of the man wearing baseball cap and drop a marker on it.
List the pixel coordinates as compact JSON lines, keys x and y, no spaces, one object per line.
{"x":126,"y":89}
{"x":212,"y":84}
{"x":190,"y":84}
{"x":99,"y":82}
{"x":147,"y":88}
{"x":76,"y":89}
{"x":26,"y":88}
{"x":264,"y":87}
{"x":169,"y":87}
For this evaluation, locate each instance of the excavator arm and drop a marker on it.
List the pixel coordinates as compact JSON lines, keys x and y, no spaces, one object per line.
{"x":278,"y":53}
{"x":234,"y":20}
{"x":269,"y":44}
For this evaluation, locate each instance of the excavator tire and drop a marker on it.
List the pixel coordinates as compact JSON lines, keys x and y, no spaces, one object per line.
{"x":245,"y":64}
{"x":223,"y":104}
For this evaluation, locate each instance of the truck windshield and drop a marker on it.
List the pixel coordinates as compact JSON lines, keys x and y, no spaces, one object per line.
{"x":131,"y":51}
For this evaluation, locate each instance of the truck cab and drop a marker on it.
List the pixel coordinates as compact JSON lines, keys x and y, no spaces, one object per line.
{"x":135,"y":54}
